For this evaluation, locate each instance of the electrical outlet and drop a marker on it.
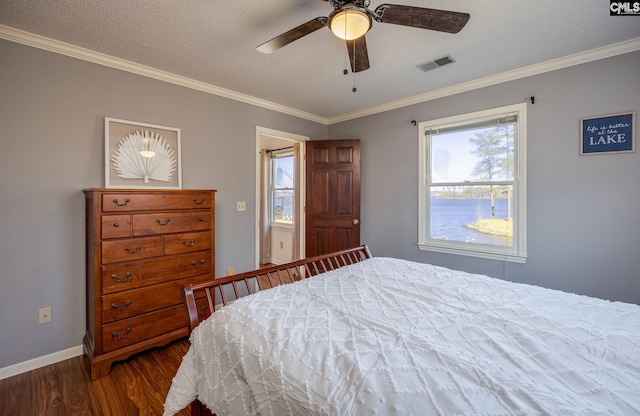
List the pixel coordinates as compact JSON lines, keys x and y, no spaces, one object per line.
{"x":281,"y":244}
{"x":241,"y":206}
{"x":44,"y":315}
{"x":229,"y":271}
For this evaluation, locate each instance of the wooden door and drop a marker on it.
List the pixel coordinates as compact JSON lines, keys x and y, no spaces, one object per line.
{"x":332,"y":196}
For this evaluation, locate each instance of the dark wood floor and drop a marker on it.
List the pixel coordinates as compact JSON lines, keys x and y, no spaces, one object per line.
{"x":137,"y":386}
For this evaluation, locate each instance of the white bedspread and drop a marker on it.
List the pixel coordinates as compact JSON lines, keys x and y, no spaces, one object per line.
{"x":392,"y":337}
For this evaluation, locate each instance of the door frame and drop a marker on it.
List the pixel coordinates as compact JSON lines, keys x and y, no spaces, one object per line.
{"x":262,"y":132}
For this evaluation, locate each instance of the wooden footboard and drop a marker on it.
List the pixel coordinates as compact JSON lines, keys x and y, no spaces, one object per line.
{"x":203,"y":299}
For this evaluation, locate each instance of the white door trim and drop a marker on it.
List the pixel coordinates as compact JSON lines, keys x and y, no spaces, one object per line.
{"x":260,"y":133}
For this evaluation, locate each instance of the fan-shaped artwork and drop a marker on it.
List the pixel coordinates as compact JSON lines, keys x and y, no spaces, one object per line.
{"x":144,"y":155}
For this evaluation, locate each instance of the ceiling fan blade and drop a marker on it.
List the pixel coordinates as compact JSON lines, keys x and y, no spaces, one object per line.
{"x":292,"y":35}
{"x":422,"y":18}
{"x":358,"y":54}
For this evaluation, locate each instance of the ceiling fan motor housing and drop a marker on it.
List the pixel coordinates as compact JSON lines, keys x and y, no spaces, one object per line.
{"x":336,"y":4}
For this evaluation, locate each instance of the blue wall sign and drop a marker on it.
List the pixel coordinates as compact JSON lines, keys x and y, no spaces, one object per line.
{"x":610,"y":133}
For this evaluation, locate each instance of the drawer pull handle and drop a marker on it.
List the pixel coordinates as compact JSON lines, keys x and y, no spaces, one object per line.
{"x":115,"y":335}
{"x":115,"y":224}
{"x":166,"y":221}
{"x":201,"y":219}
{"x":119,"y":309}
{"x":128,"y":250}
{"x":126,"y":277}
{"x":196,"y":265}
{"x":199,"y":202}
{"x":126,"y":201}
{"x":189,"y":244}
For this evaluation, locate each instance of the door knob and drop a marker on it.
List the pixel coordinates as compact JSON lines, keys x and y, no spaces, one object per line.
{"x":355,"y":221}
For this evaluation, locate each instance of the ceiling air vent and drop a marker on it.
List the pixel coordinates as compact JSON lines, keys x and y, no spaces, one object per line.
{"x":436,"y":63}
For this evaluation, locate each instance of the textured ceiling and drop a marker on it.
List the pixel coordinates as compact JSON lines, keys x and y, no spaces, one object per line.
{"x":214,"y":42}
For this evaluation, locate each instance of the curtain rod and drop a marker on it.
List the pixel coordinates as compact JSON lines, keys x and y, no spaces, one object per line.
{"x":276,"y":150}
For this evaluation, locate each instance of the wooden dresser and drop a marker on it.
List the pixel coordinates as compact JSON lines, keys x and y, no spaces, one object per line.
{"x":142,"y":246}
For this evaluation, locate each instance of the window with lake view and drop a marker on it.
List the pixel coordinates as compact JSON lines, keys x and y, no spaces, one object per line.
{"x":282,"y":192}
{"x":472,"y":184}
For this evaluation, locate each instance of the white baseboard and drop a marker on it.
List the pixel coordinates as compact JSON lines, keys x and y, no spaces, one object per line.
{"x":38,"y":362}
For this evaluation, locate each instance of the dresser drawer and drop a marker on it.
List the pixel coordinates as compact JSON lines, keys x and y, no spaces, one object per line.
{"x":125,"y":276}
{"x":187,"y":242}
{"x":131,"y":249}
{"x":129,"y":331}
{"x":161,"y":222}
{"x":123,"y":201}
{"x":134,"y":302}
{"x":200,"y":220}
{"x":116,"y":226}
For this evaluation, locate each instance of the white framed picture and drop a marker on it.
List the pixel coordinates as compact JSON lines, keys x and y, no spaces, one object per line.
{"x":141,"y":155}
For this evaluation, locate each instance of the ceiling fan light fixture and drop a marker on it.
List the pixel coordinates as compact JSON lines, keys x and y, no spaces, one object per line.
{"x":349,"y":23}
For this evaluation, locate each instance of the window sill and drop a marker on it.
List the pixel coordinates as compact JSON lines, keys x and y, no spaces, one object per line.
{"x":510,"y":257}
{"x":282,"y":226}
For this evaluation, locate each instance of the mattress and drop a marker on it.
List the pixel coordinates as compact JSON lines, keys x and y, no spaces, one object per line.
{"x":392,"y":337}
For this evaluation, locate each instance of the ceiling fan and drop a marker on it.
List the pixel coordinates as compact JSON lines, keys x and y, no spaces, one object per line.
{"x":351,"y":19}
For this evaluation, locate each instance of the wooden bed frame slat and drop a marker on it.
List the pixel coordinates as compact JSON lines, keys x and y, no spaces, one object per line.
{"x":200,"y":299}
{"x":222,"y":291}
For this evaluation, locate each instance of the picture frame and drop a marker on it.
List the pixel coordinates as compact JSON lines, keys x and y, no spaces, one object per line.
{"x":608,"y":133}
{"x":141,"y":155}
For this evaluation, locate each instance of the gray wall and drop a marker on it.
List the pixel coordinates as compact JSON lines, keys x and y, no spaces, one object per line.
{"x":52,"y":111}
{"x":582,"y":211}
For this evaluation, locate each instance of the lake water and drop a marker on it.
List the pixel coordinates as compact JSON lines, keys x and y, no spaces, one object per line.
{"x":449,"y":218}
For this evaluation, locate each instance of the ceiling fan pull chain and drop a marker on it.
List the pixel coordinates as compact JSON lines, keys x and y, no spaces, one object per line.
{"x":345,"y":53}
{"x":346,"y":23}
{"x":355,"y":57}
{"x":345,"y":71}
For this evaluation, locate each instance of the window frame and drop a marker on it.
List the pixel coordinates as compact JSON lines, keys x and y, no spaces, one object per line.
{"x":517,"y":252}
{"x":280,"y":154}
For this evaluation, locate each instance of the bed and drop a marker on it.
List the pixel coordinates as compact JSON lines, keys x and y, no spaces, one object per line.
{"x":383,"y":336}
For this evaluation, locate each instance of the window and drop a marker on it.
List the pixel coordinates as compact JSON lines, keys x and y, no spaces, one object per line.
{"x":472,"y":176}
{"x":282,"y":192}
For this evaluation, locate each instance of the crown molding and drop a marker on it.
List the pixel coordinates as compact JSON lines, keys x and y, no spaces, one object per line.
{"x":41,"y":42}
{"x":527,"y":71}
{"x":51,"y":45}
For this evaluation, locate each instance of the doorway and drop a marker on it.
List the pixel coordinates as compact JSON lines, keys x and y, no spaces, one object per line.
{"x":280,"y":221}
